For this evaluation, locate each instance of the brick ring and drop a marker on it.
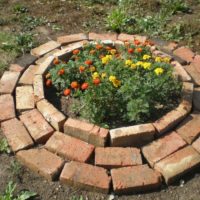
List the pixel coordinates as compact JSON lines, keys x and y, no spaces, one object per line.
{"x":43,"y":139}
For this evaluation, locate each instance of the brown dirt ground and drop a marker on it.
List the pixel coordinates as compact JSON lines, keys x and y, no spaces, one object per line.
{"x":75,"y":16}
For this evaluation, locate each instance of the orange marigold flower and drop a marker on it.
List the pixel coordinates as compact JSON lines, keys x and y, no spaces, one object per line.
{"x":56,"y":61}
{"x":48,"y":75}
{"x":88,"y":62}
{"x":98,"y":46}
{"x":67,"y":92}
{"x":97,"y":81}
{"x":84,"y":86}
{"x":137,"y":42}
{"x":139,"y":50}
{"x":108,"y":48}
{"x":130,"y":50}
{"x":74,"y":85}
{"x":92,"y":51}
{"x":81,"y":68}
{"x":76,"y":51}
{"x":48,"y":82}
{"x":61,"y":72}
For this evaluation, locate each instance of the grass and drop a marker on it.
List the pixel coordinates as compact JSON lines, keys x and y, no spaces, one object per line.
{"x":9,"y":193}
{"x":4,"y":147}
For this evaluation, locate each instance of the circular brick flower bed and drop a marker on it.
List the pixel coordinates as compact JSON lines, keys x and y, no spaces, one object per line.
{"x":124,"y":160}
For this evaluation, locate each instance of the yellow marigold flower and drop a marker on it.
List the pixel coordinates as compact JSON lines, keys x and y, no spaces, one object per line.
{"x":95,"y":75}
{"x":106,"y":59}
{"x":158,"y":59}
{"x":146,"y":65}
{"x":133,"y":66}
{"x":116,"y":83}
{"x":159,"y":71}
{"x":146,"y":57}
{"x":92,"y":68}
{"x":113,"y":51}
{"x":112,"y":78}
{"x":166,"y":59}
{"x":128,"y":62}
{"x":103,"y":75}
{"x":139,"y":63}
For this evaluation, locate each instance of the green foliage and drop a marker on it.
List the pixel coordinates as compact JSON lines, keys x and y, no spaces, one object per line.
{"x":19,"y":9}
{"x":4,"y":147}
{"x":77,"y":198}
{"x":15,"y":168}
{"x":128,"y":85}
{"x":8,"y":195}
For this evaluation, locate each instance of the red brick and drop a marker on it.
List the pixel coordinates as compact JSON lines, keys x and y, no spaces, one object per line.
{"x":43,"y":67}
{"x":51,"y":114}
{"x":171,"y":119}
{"x":16,"y":134}
{"x":115,"y":157}
{"x":196,"y":99}
{"x":71,"y":38}
{"x":178,"y":164}
{"x":103,"y":36}
{"x":162,"y":147}
{"x":38,"y":88}
{"x":184,"y":53}
{"x":196,"y":62}
{"x":171,"y":46}
{"x":86,"y":131}
{"x":69,"y":147}
{"x":192,"y":71}
{"x":85,"y":176}
{"x":42,"y":162}
{"x":180,"y":72}
{"x":137,"y":135}
{"x":135,"y":179}
{"x":127,"y":37}
{"x":187,"y":94}
{"x":8,"y":82}
{"x":7,"y":107}
{"x":16,"y":68}
{"x":24,"y":98}
{"x":75,"y":45}
{"x":45,"y":48}
{"x":196,"y":144}
{"x":189,"y":129}
{"x":28,"y":75}
{"x":37,"y":126}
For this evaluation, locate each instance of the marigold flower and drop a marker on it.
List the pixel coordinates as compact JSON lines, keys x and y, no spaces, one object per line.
{"x":81,"y":69}
{"x":139,"y":63}
{"x":146,"y":57}
{"x":166,"y":59}
{"x":137,"y":42}
{"x":103,"y":75}
{"x":158,"y":59}
{"x":97,"y":81}
{"x":113,"y":51}
{"x":116,"y":83}
{"x":67,"y":92}
{"x":48,"y":75}
{"x":98,"y":46}
{"x":92,"y":51}
{"x":130,"y":50}
{"x":146,"y":65}
{"x":74,"y":85}
{"x":128,"y":62}
{"x":106,"y":59}
{"x":108,"y":48}
{"x":139,"y":50}
{"x":84,"y":86}
{"x":61,"y":72}
{"x":76,"y":51}
{"x":133,"y":66}
{"x":48,"y":82}
{"x":92,"y":68}
{"x":88,"y":62}
{"x":158,"y":71}
{"x":95,"y":75}
{"x":112,"y":78}
{"x":56,"y":61}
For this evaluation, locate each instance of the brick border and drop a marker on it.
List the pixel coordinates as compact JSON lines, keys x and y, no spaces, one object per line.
{"x":169,"y":145}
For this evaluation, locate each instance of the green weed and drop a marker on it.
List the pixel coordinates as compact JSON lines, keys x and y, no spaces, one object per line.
{"x":19,"y":9}
{"x":15,"y":168}
{"x":9,"y":193}
{"x":77,"y":198}
{"x":4,"y":147}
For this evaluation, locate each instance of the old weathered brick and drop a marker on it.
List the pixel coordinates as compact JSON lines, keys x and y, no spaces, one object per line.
{"x":171,"y":119}
{"x":42,"y":67}
{"x":103,"y":36}
{"x":184,"y":53}
{"x":195,"y":75}
{"x":37,"y":126}
{"x":75,"y":45}
{"x":127,"y":37}
{"x":132,"y":136}
{"x":63,"y":40}
{"x":189,"y":129}
{"x":16,"y":68}
{"x":16,"y":134}
{"x":178,"y":164}
{"x":135,"y":179}
{"x":28,"y":75}
{"x":24,"y":98}
{"x":43,"y":58}
{"x":69,"y":147}
{"x":45,"y":48}
{"x":42,"y":162}
{"x":7,"y":107}
{"x":187,"y":93}
{"x":171,"y":46}
{"x":180,"y":72}
{"x":8,"y":82}
{"x":38,"y":87}
{"x":196,"y":144}
{"x":115,"y":157}
{"x":196,"y":99}
{"x":162,"y":147}
{"x":51,"y":114}
{"x":196,"y":62}
{"x":85,"y":176}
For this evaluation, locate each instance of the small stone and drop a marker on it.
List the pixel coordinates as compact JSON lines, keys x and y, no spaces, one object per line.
{"x":42,"y":162}
{"x":24,"y":98}
{"x":85,"y":176}
{"x":8,"y":82}
{"x":45,"y":48}
{"x":16,"y":134}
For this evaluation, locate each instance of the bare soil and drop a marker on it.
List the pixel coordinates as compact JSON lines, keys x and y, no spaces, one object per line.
{"x":74,"y":17}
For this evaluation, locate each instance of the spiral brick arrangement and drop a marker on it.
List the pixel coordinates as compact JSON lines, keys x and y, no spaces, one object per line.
{"x":123,"y":160}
